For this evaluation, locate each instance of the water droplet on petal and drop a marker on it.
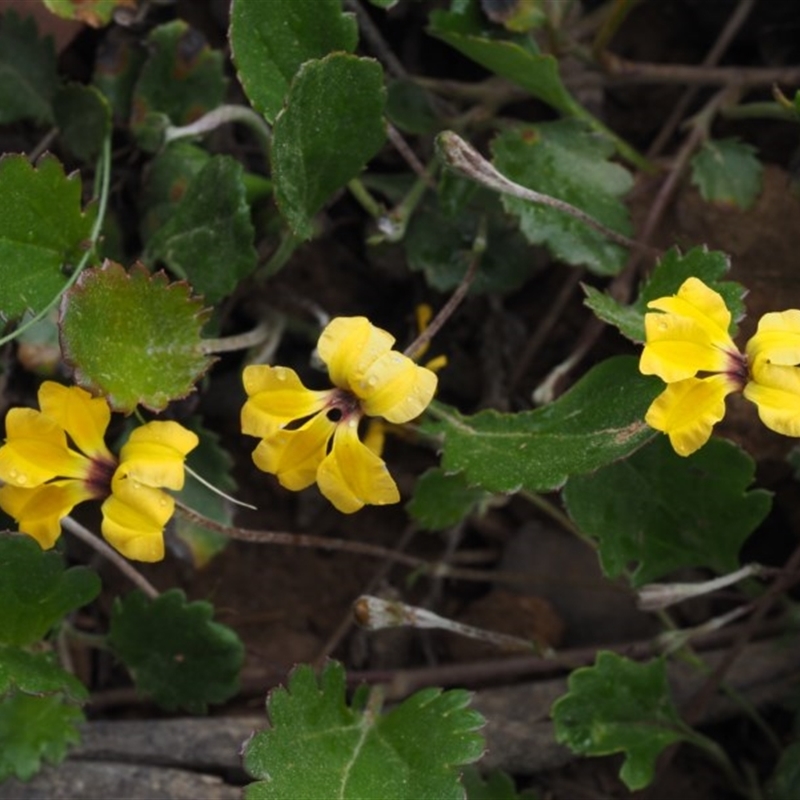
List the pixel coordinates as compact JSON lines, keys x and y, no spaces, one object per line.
{"x":280,"y":374}
{"x":163,"y":501}
{"x":22,"y":478}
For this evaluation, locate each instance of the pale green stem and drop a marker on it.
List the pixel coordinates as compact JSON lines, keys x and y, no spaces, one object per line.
{"x":393,"y":225}
{"x":364,"y":198}
{"x":223,"y":115}
{"x":104,"y":173}
{"x":241,"y":341}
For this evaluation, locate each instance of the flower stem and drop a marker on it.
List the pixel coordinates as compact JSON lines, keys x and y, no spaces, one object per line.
{"x":124,"y":566}
{"x":241,"y":341}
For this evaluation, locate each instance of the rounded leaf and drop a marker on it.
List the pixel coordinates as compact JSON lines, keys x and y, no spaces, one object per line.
{"x":132,"y":336}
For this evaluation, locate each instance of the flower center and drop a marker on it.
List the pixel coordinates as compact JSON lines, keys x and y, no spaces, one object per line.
{"x":98,"y":477}
{"x":343,"y":406}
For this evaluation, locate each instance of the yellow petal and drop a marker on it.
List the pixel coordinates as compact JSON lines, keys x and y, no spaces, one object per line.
{"x":294,"y":456}
{"x":276,"y":397}
{"x":36,"y":451}
{"x":395,"y":388}
{"x":155,"y":452}
{"x":39,"y":511}
{"x":83,"y":417}
{"x":679,"y":347}
{"x":352,"y":476}
{"x":375,"y":435}
{"x":775,"y":389}
{"x":698,"y":302}
{"x":349,"y":345}
{"x":777,"y":339}
{"x":134,"y":517}
{"x":687,"y":411}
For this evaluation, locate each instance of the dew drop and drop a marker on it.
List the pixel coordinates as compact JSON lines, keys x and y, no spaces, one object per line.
{"x":163,"y":501}
{"x":22,"y":478}
{"x":280,"y":374}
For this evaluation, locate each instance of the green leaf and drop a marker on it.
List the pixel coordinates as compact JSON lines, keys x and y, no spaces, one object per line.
{"x":568,"y":161}
{"x":42,"y":232}
{"x":497,"y":785}
{"x":620,"y":706}
{"x":165,"y":183}
{"x":408,"y":107}
{"x":215,"y":465}
{"x":132,"y":336}
{"x":599,"y":420}
{"x":727,"y":171}
{"x":35,"y":729}
{"x":270,"y":41}
{"x":331,"y":127}
{"x":28,"y":72}
{"x":182,"y":79}
{"x":174,"y":651}
{"x":318,"y":747}
{"x":785,"y":780}
{"x":664,"y":511}
{"x":36,"y":591}
{"x":208,"y":240}
{"x":440,"y":245}
{"x":666,"y":279}
{"x":516,"y":61}
{"x":116,"y":70}
{"x":93,"y":12}
{"x":441,"y":500}
{"x":83,"y":117}
{"x":37,"y":674}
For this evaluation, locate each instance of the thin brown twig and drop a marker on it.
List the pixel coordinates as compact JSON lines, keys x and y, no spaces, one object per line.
{"x":108,"y":552}
{"x":429,"y":568}
{"x":728,"y":33}
{"x":622,"y":71}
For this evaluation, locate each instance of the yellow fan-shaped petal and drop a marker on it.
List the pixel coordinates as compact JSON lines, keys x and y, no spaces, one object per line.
{"x":349,"y":345}
{"x":83,"y":417}
{"x":154,"y":454}
{"x":352,"y":476}
{"x":395,"y":388}
{"x":679,"y":347}
{"x":36,"y":451}
{"x":276,"y":397}
{"x":294,"y":456}
{"x":687,"y":411}
{"x":777,"y":339}
{"x":694,"y":300}
{"x":134,"y":517}
{"x":775,"y":389}
{"x":39,"y":511}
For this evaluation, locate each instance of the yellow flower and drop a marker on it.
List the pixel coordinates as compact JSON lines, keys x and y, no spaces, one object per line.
{"x":45,"y":478}
{"x":688,"y":346}
{"x":312,"y":436}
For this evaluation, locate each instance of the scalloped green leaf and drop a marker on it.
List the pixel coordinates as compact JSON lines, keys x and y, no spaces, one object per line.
{"x":93,"y":12}
{"x":208,"y":240}
{"x":496,"y":785}
{"x":670,"y":272}
{"x":36,"y":591}
{"x":182,"y":79}
{"x":175,"y":651}
{"x":33,"y":730}
{"x":663,"y":511}
{"x":132,"y":336}
{"x":43,"y":232}
{"x":598,"y":421}
{"x":441,"y":500}
{"x":37,"y":674}
{"x":83,"y":117}
{"x":569,"y":161}
{"x":331,"y":127}
{"x":726,"y":171}
{"x":620,"y":706}
{"x":28,"y":71}
{"x":270,"y":41}
{"x":319,"y":747}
